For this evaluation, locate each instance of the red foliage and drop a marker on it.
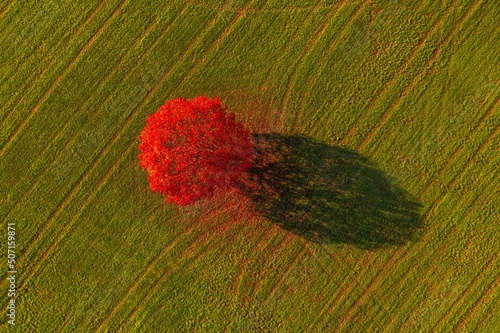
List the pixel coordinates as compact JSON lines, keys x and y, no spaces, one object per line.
{"x":193,"y":148}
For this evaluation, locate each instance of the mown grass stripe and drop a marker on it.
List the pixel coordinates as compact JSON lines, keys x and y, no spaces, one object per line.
{"x":299,"y":64}
{"x":406,"y":323}
{"x":203,"y":218}
{"x":188,"y":258}
{"x":265,"y":237}
{"x":330,"y":254}
{"x":381,"y":277}
{"x":284,"y":241}
{"x":443,"y":320}
{"x":288,"y":47}
{"x":429,"y":116}
{"x":405,"y":276}
{"x":127,"y":123}
{"x":431,"y":120}
{"x":449,"y":187}
{"x":398,"y":256}
{"x":416,"y":80}
{"x":67,"y":319}
{"x":67,"y":129}
{"x":79,"y":182}
{"x":486,"y":116}
{"x":394,"y":256}
{"x":296,"y":302}
{"x":397,"y":75}
{"x":6,"y":23}
{"x":225,"y":33}
{"x":59,"y":78}
{"x":60,"y":152}
{"x":323,"y":61}
{"x":488,"y":312}
{"x":490,"y":291}
{"x":115,"y":166}
{"x":32,"y":83}
{"x":342,"y":291}
{"x":142,"y":275}
{"x":6,"y":8}
{"x":35,"y":76}
{"x":291,"y":9}
{"x":402,"y":308}
{"x":450,"y":232}
{"x":407,"y":249}
{"x":375,"y":280}
{"x":464,"y":207}
{"x":301,"y":61}
{"x":313,"y":255}
{"x":245,"y":297}
{"x":459,"y":175}
{"x":287,"y":271}
{"x":214,"y":47}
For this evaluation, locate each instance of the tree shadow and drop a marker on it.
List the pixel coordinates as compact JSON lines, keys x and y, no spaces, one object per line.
{"x":328,"y":194}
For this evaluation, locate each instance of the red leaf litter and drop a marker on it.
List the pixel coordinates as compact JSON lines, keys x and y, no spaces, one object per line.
{"x":193,"y":149}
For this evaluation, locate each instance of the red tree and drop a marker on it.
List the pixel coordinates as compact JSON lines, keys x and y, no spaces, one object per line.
{"x":192,"y":148}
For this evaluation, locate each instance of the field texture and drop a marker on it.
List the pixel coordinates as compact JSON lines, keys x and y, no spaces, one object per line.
{"x":399,"y":100}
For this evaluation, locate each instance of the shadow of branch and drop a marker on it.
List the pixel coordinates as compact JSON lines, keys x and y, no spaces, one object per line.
{"x":328,"y":194}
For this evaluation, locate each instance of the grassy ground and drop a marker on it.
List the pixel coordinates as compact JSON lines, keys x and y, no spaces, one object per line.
{"x":412,"y":87}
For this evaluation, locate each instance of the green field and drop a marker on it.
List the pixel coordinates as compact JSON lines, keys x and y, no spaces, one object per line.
{"x":413,"y":87}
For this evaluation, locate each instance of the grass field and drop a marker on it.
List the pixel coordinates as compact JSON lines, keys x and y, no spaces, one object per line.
{"x":413,"y":87}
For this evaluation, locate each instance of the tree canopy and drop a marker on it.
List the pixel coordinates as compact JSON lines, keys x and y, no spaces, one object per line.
{"x":193,"y":148}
